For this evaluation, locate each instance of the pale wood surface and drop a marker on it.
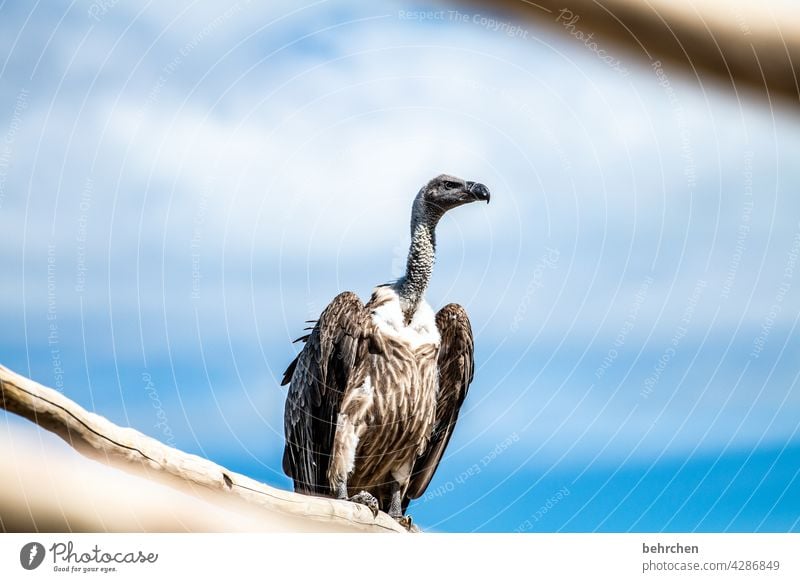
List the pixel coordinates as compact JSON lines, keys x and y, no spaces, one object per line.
{"x":125,"y":448}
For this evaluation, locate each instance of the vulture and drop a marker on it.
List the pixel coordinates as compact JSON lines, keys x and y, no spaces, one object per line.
{"x":376,"y":390}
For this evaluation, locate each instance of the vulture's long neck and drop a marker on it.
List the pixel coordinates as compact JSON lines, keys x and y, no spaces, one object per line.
{"x":421,"y":256}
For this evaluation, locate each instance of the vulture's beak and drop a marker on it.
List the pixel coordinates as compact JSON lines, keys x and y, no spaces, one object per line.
{"x":479,"y":191}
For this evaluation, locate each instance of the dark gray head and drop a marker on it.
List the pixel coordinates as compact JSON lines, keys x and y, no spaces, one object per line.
{"x":444,"y":193}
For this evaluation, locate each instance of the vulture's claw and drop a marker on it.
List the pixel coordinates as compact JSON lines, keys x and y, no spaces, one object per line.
{"x":405,"y":521}
{"x":365,"y":498}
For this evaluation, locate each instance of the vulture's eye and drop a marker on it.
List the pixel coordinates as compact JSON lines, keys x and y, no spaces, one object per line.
{"x":451,"y":185}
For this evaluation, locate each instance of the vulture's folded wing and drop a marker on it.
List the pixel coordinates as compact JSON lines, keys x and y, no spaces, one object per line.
{"x":318,"y":378}
{"x":455,"y":375}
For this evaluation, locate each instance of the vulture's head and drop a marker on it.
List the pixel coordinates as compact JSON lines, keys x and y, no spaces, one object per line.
{"x":445,"y":192}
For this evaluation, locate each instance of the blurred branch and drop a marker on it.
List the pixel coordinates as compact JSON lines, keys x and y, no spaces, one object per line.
{"x":127,"y":449}
{"x":750,"y":47}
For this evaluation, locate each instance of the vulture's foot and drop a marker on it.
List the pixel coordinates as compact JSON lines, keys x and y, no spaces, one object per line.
{"x":405,"y":521}
{"x":365,"y":498}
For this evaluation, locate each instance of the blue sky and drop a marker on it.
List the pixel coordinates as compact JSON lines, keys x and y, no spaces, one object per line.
{"x":182,"y":187}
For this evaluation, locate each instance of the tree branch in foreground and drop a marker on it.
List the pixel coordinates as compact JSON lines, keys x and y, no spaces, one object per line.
{"x":125,"y":448}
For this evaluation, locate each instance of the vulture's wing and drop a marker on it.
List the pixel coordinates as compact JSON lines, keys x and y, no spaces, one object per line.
{"x":455,"y":376}
{"x":318,"y":378}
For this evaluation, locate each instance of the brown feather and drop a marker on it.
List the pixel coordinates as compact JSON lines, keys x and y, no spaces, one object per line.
{"x":455,"y":366}
{"x":318,"y":378}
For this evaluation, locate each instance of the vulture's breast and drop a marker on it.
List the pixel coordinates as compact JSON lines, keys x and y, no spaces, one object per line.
{"x":399,"y":394}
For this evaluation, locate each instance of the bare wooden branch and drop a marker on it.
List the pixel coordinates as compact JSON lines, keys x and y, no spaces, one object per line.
{"x":48,"y":487}
{"x":125,"y":448}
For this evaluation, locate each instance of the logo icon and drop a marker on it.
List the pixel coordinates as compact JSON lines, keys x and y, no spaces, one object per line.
{"x":31,"y":555}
